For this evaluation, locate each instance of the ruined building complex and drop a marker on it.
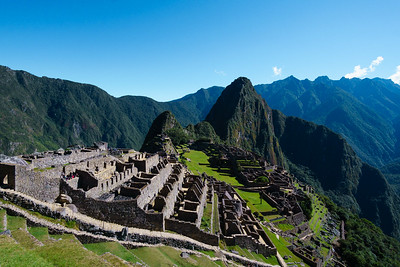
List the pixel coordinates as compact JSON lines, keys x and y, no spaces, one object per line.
{"x":136,"y":189}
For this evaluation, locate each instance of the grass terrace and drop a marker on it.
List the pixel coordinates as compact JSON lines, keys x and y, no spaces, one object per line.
{"x":253,"y":201}
{"x":253,"y":255}
{"x":114,"y":248}
{"x":215,"y":225}
{"x":197,"y":162}
{"x":168,"y":256}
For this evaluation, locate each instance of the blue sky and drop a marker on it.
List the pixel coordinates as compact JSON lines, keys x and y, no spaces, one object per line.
{"x":166,"y":49}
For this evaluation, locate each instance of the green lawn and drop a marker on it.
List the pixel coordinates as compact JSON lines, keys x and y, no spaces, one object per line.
{"x":114,"y":248}
{"x":281,"y":245}
{"x":2,"y":214}
{"x":215,"y":225}
{"x":253,"y":201}
{"x":69,"y":252}
{"x":41,"y":233}
{"x":198,"y":164}
{"x":206,"y":219}
{"x":168,"y":256}
{"x":13,"y":254}
{"x":15,"y":222}
{"x":25,"y":239}
{"x":254,"y":256}
{"x":284,"y":226}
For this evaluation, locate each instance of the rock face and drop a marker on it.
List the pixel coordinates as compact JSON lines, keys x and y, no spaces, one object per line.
{"x":242,"y":118}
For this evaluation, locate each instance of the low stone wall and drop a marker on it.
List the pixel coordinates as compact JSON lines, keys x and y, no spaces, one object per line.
{"x":190,"y":230}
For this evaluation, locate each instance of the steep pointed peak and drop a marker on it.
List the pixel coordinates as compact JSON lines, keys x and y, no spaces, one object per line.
{"x":241,"y":84}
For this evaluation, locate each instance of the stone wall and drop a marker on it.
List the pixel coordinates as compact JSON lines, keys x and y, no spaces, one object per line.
{"x":57,"y":160}
{"x":44,"y":186}
{"x":251,"y":244}
{"x":202,"y":204}
{"x":151,"y":190}
{"x":168,"y":209}
{"x":190,"y":230}
{"x":125,"y":212}
{"x":145,"y":164}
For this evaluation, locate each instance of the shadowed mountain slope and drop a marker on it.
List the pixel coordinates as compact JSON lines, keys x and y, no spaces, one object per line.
{"x":242,"y":118}
{"x":362,"y":111}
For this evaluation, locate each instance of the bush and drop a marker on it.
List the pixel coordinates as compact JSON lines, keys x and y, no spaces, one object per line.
{"x":262,"y":180}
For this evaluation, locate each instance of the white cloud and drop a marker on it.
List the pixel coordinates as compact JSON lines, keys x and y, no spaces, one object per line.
{"x":220,"y":72}
{"x":277,"y":71}
{"x":357,"y":73}
{"x":375,"y":62}
{"x":396,"y":77}
{"x":362,"y":72}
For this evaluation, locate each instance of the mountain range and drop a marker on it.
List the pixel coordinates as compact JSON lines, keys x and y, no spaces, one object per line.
{"x":43,"y":113}
{"x":313,"y":153}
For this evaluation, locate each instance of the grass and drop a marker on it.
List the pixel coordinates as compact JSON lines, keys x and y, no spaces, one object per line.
{"x":70,"y":252}
{"x":253,"y":255}
{"x":206,"y":219}
{"x":215,"y":225}
{"x":253,"y":201}
{"x":318,"y":214}
{"x":2,"y":214}
{"x":15,"y":222}
{"x":168,"y":256}
{"x":284,"y":226}
{"x":13,"y":254}
{"x":114,"y":248}
{"x":113,"y":260}
{"x":199,"y":163}
{"x":25,"y":239}
{"x":41,"y":233}
{"x":281,"y":245}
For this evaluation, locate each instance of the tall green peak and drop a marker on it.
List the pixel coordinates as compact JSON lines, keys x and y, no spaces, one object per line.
{"x":165,"y":128}
{"x":242,"y":118}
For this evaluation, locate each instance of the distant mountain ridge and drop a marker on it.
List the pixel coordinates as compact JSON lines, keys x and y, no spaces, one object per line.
{"x":363,"y":111}
{"x":43,"y":113}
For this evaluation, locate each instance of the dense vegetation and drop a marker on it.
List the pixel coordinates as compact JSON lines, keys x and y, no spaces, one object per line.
{"x":362,"y":111}
{"x":365,"y":244}
{"x":242,"y":118}
{"x":43,"y":113}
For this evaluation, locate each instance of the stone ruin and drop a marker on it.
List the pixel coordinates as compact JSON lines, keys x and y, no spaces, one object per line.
{"x":237,"y":224}
{"x":136,"y":189}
